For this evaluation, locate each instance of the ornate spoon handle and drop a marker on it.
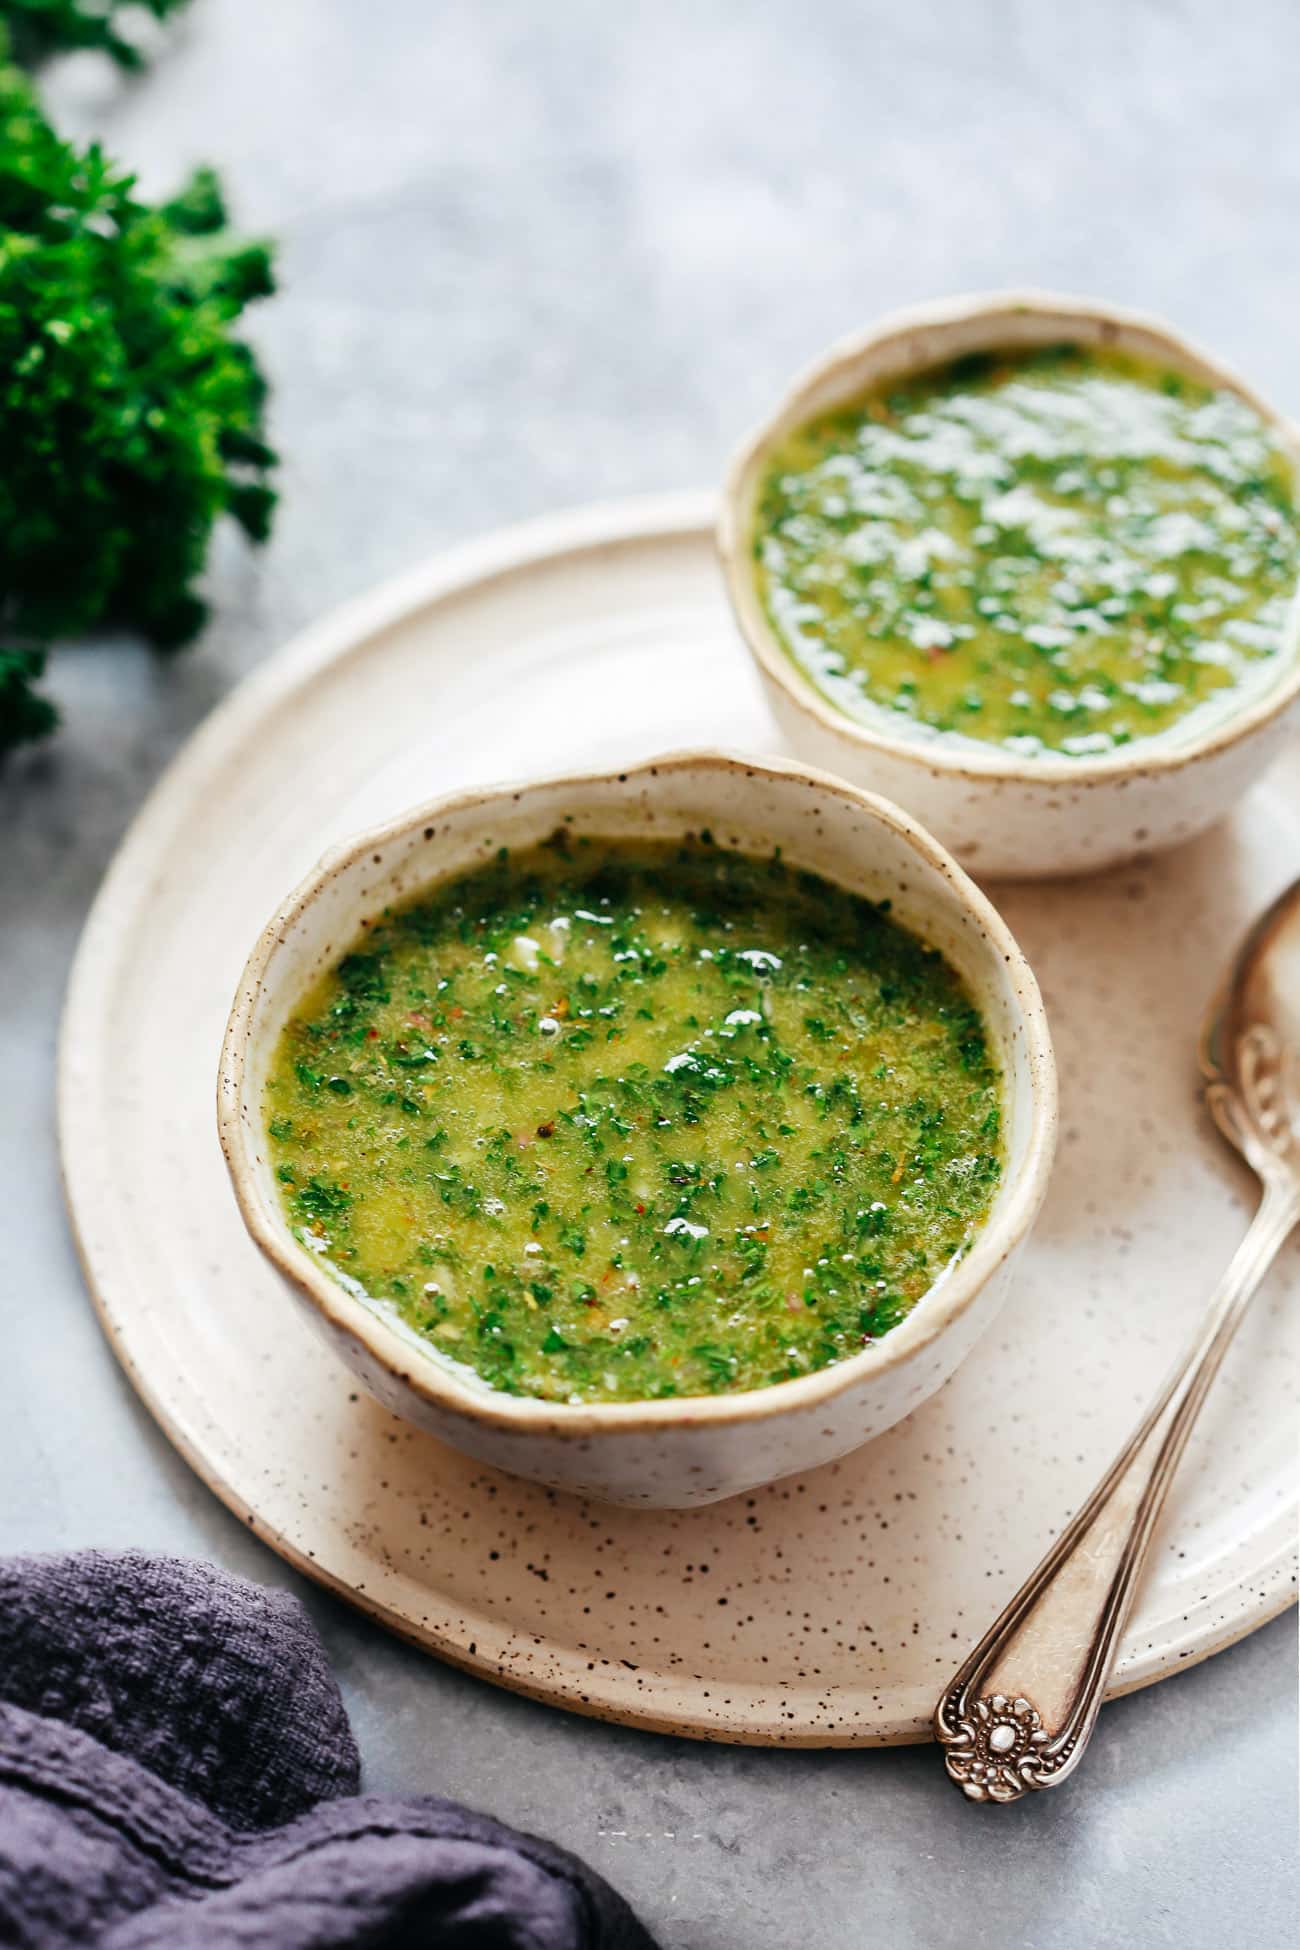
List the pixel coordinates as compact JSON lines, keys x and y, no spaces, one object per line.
{"x":1019,"y":1712}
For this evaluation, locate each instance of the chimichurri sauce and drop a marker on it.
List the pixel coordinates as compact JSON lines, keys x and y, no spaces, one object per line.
{"x":608,"y":1122}
{"x":1059,"y":551}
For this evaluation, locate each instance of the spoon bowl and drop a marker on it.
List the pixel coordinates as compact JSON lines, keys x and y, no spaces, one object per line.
{"x":1250,"y":1046}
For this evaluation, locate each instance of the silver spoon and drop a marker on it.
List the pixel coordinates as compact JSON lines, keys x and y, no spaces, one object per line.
{"x":1020,"y":1711}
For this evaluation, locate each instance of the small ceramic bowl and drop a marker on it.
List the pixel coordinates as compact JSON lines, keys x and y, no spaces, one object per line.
{"x":694,"y":1449}
{"x":999,"y":812}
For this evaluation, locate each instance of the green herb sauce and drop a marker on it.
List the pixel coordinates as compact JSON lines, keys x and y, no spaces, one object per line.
{"x":609,"y":1122}
{"x":1060,"y":551}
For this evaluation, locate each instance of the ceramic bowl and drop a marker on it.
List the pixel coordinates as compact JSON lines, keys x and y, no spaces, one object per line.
{"x":687,"y":1450}
{"x":999,"y":812}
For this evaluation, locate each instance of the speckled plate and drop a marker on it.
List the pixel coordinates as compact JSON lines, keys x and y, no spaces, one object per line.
{"x":828,"y":1609}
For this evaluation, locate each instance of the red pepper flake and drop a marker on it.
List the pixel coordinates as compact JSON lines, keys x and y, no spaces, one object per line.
{"x":640,"y":1208}
{"x":455,"y":1012}
{"x":372,"y":1035}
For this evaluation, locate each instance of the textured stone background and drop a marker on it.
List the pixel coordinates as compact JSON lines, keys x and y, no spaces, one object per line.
{"x":533,"y":256}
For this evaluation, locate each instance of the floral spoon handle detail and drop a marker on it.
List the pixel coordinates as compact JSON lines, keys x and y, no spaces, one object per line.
{"x":1020,"y":1711}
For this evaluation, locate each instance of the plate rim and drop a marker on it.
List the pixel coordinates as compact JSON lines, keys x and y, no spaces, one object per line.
{"x":346,"y":630}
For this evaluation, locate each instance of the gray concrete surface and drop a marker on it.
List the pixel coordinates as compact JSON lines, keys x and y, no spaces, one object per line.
{"x":531,"y":256}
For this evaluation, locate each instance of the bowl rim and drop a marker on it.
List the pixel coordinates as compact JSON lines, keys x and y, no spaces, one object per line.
{"x":956,"y":756}
{"x":432,"y":1377}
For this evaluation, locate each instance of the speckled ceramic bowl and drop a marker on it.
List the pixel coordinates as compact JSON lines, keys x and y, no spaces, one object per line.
{"x":688,"y":1450}
{"x":1000,"y":813}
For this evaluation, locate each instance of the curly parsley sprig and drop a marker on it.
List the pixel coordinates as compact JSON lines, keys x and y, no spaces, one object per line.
{"x":131,"y":417}
{"x":39,"y":28}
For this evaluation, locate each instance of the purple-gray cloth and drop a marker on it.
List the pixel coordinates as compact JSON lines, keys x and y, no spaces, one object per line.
{"x":177,"y":1769}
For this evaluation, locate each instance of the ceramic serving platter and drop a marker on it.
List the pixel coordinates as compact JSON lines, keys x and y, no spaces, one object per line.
{"x":827,"y":1609}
